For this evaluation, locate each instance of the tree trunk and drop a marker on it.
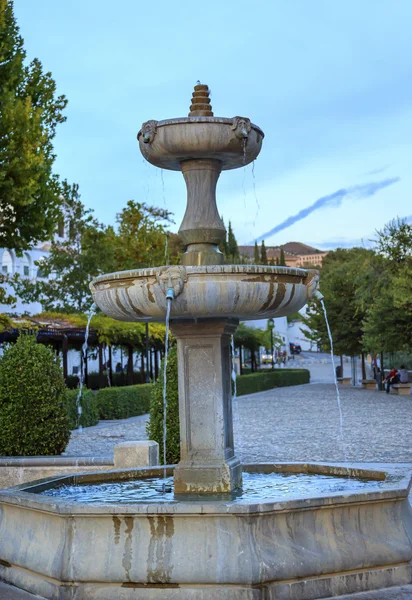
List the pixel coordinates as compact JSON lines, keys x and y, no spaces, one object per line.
{"x":156,"y":364}
{"x":101,"y":374}
{"x":363,"y":366}
{"x":142,"y":370}
{"x":110,"y":366}
{"x":151,"y":364}
{"x":240,"y":361}
{"x":130,"y":365}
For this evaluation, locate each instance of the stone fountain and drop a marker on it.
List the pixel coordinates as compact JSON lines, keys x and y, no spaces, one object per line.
{"x":206,"y":542}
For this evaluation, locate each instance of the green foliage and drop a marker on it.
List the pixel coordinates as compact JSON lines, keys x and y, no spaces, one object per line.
{"x":256,"y":255}
{"x":90,"y":412}
{"x":155,"y":424}
{"x":232,"y":247}
{"x":123,"y":402}
{"x":33,"y":416}
{"x":387,"y":290}
{"x":30,"y":113}
{"x":342,"y":278}
{"x":141,"y":238}
{"x":263,"y":255}
{"x":249,"y":337}
{"x":266,"y":380}
{"x":90,"y":249}
{"x":109,"y":331}
{"x":282,"y":260}
{"x":85,"y":252}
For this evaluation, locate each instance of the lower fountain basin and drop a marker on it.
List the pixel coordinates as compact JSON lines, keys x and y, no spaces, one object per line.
{"x":219,"y":291}
{"x":299,"y":547}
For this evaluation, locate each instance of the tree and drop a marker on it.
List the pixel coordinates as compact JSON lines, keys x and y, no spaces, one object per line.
{"x":282,"y":260}
{"x":256,"y":255}
{"x":86,"y":251}
{"x":263,"y":255}
{"x":387,"y":290}
{"x":91,"y":249}
{"x":250,"y":338}
{"x":30,"y":113}
{"x":342,"y":276}
{"x":232,"y":247}
{"x":141,"y":236}
{"x":223,"y":246}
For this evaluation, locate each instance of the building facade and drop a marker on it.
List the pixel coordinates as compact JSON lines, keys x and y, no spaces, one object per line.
{"x":296,"y":254}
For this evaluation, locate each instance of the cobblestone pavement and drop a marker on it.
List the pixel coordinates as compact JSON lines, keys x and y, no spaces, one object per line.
{"x":295,"y":423}
{"x":302,"y":423}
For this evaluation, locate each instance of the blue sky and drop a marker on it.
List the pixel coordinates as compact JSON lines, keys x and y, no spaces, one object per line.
{"x":329,"y":82}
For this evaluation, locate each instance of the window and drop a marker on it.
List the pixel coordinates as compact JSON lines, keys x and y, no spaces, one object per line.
{"x":40,"y":272}
{"x":26,"y":265}
{"x":6,"y":263}
{"x":60,"y":227}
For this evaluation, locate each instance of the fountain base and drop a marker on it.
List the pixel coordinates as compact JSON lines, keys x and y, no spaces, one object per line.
{"x":305,"y":547}
{"x":214,"y":478}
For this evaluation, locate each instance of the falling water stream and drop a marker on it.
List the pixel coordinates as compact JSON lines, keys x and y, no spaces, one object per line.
{"x":235,"y":405}
{"x":92,"y":312}
{"x":163,"y":186}
{"x":335,"y":380}
{"x":165,"y":487}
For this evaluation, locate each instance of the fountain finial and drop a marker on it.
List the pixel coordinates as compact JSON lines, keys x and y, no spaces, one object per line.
{"x":201,"y":106}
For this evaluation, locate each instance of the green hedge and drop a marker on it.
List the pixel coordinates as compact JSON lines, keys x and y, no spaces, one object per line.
{"x":124,"y":402}
{"x":90,"y":411}
{"x":155,"y":425}
{"x":33,"y":416}
{"x":266,"y":380}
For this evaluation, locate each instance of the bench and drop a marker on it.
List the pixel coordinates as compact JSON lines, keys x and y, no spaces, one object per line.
{"x":401,"y":389}
{"x":369,"y":384}
{"x":345,"y":380}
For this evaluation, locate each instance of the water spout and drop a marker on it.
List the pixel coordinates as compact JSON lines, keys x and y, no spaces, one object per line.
{"x":244,"y":133}
{"x":318,"y":295}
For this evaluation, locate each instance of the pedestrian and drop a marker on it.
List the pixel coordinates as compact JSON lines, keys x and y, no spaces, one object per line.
{"x":392,"y":378}
{"x":403,"y":375}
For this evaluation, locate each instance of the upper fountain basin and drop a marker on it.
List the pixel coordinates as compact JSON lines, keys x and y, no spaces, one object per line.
{"x":234,"y":142}
{"x":244,"y":292}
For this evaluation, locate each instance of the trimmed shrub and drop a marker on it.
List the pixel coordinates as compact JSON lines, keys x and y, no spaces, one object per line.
{"x":33,"y":415}
{"x":90,"y":411}
{"x":266,"y":380}
{"x":155,"y":425}
{"x":123,"y":402}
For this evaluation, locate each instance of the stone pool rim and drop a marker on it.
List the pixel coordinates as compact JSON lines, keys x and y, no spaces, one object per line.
{"x":28,"y":494}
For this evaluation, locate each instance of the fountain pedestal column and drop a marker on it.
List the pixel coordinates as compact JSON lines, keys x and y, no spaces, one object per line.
{"x":208,"y":463}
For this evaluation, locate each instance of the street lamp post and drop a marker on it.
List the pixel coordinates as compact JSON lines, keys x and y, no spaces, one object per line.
{"x":271,"y":325}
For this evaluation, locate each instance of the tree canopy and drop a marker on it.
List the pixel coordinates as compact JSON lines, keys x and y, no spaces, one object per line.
{"x":30,"y":113}
{"x":368,"y":295}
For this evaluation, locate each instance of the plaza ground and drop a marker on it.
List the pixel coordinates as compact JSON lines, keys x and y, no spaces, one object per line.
{"x":299,"y":423}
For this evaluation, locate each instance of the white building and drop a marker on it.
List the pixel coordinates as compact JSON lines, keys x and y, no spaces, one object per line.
{"x":24,"y":266}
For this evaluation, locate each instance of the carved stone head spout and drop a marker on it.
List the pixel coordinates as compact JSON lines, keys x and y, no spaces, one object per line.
{"x":148,"y":131}
{"x":173,"y":277}
{"x":242,"y":127}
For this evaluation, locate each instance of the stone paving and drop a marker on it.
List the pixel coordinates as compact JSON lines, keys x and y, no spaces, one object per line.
{"x":299,"y":423}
